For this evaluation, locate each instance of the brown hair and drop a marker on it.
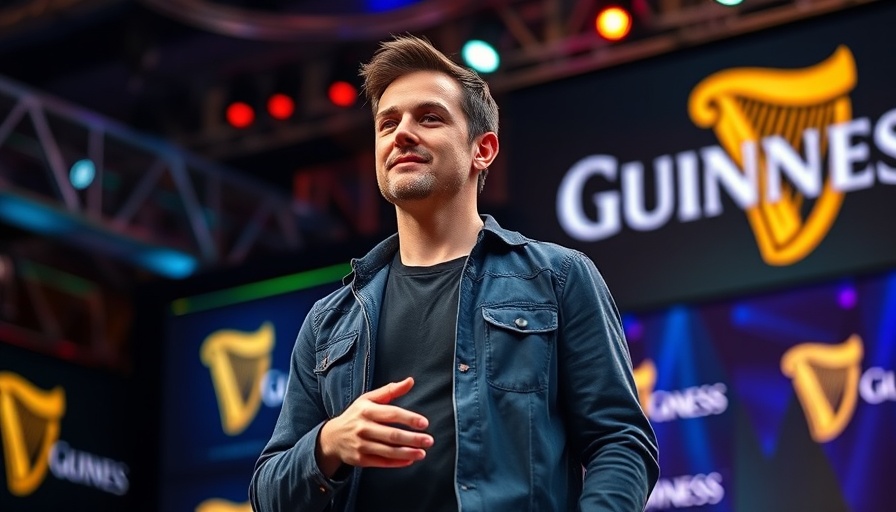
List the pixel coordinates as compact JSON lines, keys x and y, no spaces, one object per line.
{"x":407,"y":54}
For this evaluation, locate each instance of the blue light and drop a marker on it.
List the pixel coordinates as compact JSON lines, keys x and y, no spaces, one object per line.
{"x":741,"y":315}
{"x":168,"y":262}
{"x":776,"y":324}
{"x":387,"y":5}
{"x":82,"y":173}
{"x":480,"y":56}
{"x":32,"y":216}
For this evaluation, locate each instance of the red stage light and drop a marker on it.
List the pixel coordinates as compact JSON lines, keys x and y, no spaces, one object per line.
{"x":342,"y":94}
{"x":240,"y":114}
{"x":281,"y":106}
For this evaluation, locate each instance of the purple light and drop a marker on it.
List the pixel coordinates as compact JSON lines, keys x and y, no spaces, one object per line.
{"x":847,"y":297}
{"x":634,"y":330}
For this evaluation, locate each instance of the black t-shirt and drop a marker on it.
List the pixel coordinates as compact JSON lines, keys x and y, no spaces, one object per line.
{"x":416,"y":337}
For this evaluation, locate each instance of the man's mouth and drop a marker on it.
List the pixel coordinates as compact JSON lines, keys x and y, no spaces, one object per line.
{"x":411,"y":158}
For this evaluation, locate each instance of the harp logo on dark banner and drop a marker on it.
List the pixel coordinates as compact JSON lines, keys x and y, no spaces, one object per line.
{"x":826,"y":379}
{"x":30,"y":420}
{"x":240,"y":364}
{"x":787,"y":168}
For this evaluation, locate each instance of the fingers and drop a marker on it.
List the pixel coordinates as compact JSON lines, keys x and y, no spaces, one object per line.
{"x":390,"y":414}
{"x":392,"y":437}
{"x":386,"y":447}
{"x":391,"y":391}
{"x":374,"y":433}
{"x":393,"y":459}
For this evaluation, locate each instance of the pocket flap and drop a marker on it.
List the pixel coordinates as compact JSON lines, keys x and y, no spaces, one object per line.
{"x":334,"y":351}
{"x":514,"y":318}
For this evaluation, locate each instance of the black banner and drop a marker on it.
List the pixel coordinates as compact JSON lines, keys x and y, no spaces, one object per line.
{"x":750,"y":164}
{"x":67,"y":436}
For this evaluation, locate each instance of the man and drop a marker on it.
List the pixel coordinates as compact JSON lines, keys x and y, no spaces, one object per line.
{"x":461,"y":366}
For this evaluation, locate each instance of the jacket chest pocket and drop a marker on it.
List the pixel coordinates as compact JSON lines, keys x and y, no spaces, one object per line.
{"x":519,"y":343}
{"x":334,"y":367}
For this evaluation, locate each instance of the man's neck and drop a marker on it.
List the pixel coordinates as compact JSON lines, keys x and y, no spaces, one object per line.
{"x":426,"y":240}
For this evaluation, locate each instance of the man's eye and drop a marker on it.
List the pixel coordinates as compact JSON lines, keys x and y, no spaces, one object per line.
{"x":430,"y":118}
{"x":387,"y":124}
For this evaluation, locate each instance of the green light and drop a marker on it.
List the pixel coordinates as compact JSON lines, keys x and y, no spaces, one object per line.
{"x":730,"y":3}
{"x":480,"y":56}
{"x":261,"y":289}
{"x":57,"y":279}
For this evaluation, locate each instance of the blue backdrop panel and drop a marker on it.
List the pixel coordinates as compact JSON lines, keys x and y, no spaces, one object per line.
{"x":201,"y":459}
{"x":787,"y":399}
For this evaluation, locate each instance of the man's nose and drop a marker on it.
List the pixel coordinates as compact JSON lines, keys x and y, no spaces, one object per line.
{"x":405,"y":133}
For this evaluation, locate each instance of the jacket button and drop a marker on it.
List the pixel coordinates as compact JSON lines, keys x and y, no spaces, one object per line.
{"x":521,"y":322}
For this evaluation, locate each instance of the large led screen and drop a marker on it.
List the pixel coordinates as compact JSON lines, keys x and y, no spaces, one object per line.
{"x":728,"y":168}
{"x":778,"y":402}
{"x":226,"y":363}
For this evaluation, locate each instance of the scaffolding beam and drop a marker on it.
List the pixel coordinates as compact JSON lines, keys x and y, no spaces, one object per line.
{"x":143,"y":199}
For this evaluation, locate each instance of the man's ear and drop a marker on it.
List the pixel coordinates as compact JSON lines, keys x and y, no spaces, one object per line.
{"x":485,"y":151}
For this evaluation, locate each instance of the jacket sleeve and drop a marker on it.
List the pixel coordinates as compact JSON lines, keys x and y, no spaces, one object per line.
{"x":607,"y":425}
{"x":286,"y":475}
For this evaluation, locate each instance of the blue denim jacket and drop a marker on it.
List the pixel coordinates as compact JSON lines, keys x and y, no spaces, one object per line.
{"x":542,"y":387}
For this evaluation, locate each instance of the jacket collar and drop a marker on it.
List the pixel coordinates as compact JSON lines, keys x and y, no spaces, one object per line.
{"x":382,"y":254}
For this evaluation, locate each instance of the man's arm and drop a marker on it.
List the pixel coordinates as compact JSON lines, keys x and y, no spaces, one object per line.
{"x":606,"y":422}
{"x":286,"y":476}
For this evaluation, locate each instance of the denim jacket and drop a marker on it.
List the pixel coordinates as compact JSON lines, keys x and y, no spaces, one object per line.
{"x":546,"y":409}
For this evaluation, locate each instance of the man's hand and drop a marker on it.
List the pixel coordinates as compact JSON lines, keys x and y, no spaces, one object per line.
{"x":364,"y":435}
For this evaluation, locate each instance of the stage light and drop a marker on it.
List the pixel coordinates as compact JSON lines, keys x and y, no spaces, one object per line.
{"x":387,"y":5}
{"x":613,"y":23}
{"x":847,"y":297}
{"x":240,"y":114}
{"x":480,"y":56}
{"x":281,"y":106}
{"x":342,"y":93}
{"x":730,"y":3}
{"x":82,"y":173}
{"x":33,"y":215}
{"x":168,"y":262}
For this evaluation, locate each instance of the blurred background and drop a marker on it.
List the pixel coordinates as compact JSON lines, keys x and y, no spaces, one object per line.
{"x":181,"y":179}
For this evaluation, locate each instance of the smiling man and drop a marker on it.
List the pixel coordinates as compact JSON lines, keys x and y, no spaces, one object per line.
{"x":462,"y":366}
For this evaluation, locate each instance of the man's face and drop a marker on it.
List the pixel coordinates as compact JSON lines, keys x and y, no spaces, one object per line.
{"x":422,"y":147}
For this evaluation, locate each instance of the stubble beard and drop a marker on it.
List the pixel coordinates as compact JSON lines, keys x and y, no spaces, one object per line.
{"x":411,"y":188}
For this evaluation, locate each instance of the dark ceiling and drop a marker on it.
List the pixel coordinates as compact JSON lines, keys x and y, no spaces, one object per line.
{"x":132,"y":61}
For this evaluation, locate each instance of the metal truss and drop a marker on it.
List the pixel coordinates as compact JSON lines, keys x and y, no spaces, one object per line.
{"x":149,"y":203}
{"x":539,"y":40}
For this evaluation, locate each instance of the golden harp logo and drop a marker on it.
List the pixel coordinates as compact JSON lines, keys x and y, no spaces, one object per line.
{"x":749,"y":104}
{"x":219,"y":505}
{"x":645,"y":381}
{"x":29,"y":423}
{"x":238,"y":361}
{"x":825,"y":378}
